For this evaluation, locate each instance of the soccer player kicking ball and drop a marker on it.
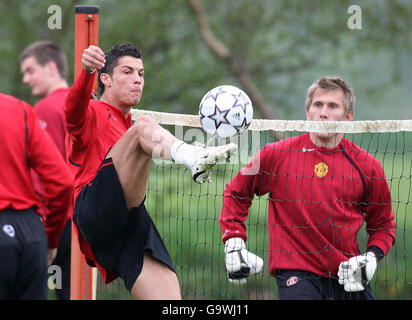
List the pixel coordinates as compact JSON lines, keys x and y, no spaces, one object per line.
{"x":111,"y":160}
{"x":322,"y":188}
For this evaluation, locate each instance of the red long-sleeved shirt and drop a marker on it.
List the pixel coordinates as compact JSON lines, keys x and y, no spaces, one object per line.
{"x":318,"y":200}
{"x":93,"y":128}
{"x":50,"y":113}
{"x":24,"y":145}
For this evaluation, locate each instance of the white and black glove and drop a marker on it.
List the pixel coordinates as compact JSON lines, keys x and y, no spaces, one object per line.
{"x":357,"y":272}
{"x":240,"y":262}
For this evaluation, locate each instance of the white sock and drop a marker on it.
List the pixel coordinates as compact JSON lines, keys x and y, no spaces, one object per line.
{"x":183,"y":153}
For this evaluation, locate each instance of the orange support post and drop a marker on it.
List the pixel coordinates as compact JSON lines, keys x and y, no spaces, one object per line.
{"x":86,"y":33}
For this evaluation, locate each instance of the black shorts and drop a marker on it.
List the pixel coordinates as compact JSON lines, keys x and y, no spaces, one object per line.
{"x":118,"y":236}
{"x":23,"y":256}
{"x":302,"y":285}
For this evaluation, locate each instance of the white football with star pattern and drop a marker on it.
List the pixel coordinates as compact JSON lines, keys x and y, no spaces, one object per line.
{"x":225,"y":111}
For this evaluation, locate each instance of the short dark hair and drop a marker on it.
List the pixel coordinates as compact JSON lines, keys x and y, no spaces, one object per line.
{"x":117,"y":51}
{"x":45,"y":51}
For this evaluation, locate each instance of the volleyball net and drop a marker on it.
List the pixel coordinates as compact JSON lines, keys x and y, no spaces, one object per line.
{"x":187,"y":214}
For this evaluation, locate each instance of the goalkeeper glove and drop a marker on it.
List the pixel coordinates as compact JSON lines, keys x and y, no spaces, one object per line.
{"x":240,"y":262}
{"x":357,"y":272}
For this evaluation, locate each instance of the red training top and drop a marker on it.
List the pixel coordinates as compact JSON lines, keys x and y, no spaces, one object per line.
{"x":51,"y":115}
{"x":93,"y":128}
{"x":318,"y":200}
{"x":24,"y":146}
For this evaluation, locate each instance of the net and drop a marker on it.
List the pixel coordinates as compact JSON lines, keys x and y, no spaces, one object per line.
{"x":187,"y":214}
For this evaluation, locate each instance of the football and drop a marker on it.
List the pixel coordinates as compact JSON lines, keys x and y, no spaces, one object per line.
{"x":225,"y":111}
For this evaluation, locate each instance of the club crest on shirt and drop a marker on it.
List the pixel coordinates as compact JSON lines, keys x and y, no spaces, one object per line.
{"x":321,"y":169}
{"x":292,"y":281}
{"x":9,"y":230}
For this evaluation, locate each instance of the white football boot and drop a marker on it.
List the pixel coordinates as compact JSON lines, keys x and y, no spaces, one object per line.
{"x":208,"y":157}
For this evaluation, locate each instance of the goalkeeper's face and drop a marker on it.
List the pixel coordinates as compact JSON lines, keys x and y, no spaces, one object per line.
{"x":328,"y":105}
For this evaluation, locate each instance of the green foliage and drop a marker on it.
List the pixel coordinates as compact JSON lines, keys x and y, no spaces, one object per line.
{"x":284,"y":45}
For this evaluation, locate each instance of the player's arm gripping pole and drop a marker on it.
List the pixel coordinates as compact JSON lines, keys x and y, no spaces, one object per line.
{"x":86,"y":33}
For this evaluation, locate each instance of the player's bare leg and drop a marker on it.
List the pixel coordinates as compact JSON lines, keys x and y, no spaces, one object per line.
{"x":132,"y":156}
{"x":145,"y":140}
{"x":156,"y":282}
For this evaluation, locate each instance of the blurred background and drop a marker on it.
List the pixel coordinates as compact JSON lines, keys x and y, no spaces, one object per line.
{"x":281,"y":47}
{"x":273,"y":49}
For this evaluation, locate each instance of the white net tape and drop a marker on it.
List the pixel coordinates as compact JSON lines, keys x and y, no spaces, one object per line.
{"x":166,"y":118}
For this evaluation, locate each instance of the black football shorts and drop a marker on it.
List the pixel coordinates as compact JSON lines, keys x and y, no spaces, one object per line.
{"x":23,"y":256}
{"x":118,"y":236}
{"x":302,"y":285}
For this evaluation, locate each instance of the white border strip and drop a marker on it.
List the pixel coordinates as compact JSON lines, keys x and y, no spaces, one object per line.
{"x":176,"y":119}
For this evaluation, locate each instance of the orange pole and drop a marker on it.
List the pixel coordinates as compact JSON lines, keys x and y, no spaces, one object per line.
{"x":86,"y":33}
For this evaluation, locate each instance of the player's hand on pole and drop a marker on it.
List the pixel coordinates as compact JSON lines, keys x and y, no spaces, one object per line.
{"x":357,"y":272}
{"x":240,"y":262}
{"x":93,"y":59}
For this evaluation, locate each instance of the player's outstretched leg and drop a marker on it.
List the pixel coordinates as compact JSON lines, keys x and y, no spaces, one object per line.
{"x":160,"y":143}
{"x":146,"y":139}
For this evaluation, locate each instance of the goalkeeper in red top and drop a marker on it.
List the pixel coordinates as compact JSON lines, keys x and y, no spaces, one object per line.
{"x":322,"y":188}
{"x":111,"y":160}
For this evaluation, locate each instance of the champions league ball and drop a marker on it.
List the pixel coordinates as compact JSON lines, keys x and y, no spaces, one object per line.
{"x":225,"y":111}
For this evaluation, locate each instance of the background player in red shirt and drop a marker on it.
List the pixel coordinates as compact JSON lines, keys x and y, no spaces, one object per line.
{"x":322,"y":188}
{"x":24,"y":239}
{"x":111,"y":159}
{"x":44,"y":68}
